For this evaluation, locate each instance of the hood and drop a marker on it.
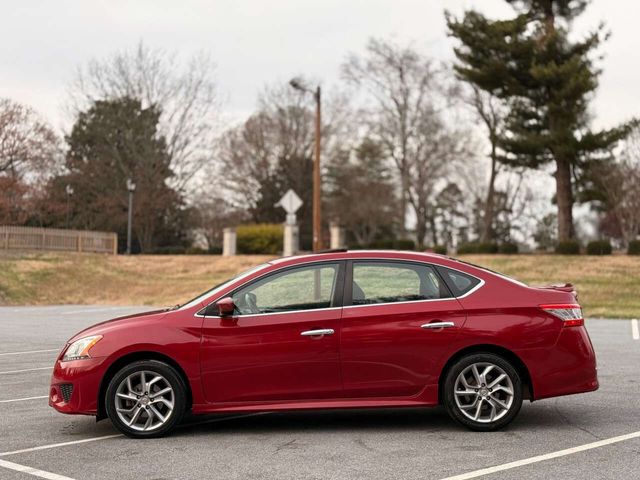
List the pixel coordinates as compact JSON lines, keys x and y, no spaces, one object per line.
{"x":119,"y":322}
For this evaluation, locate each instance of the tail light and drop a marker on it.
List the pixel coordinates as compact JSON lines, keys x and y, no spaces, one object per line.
{"x":569,"y":313}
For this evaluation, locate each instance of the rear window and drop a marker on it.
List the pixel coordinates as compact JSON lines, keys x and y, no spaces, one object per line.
{"x":459,"y":283}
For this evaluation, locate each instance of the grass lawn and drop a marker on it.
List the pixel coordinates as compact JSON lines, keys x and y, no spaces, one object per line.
{"x":607,"y":286}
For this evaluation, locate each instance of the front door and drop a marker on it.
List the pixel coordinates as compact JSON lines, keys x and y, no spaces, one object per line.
{"x":388,"y":348}
{"x":282,"y":343}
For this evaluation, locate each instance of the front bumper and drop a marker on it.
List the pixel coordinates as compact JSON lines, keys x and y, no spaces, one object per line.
{"x":83,"y":378}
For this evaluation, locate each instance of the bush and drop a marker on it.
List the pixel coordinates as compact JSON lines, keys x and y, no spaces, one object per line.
{"x":634,"y":247}
{"x":404,"y":244}
{"x":169,"y":250}
{"x":568,"y":247}
{"x":440,"y":249}
{"x":478,"y":247}
{"x":263,"y":238}
{"x":508,"y":248}
{"x":599,"y":247}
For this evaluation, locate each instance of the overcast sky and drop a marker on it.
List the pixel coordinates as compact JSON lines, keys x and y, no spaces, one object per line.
{"x":255,"y":42}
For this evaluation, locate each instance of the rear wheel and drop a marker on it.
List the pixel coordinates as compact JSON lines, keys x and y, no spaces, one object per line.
{"x":483,"y":392}
{"x":146,"y":399}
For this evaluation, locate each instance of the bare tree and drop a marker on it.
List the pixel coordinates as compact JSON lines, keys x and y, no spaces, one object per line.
{"x":28,"y":145}
{"x":407,"y":94}
{"x":620,"y":182}
{"x":184,"y":93}
{"x":490,"y":110}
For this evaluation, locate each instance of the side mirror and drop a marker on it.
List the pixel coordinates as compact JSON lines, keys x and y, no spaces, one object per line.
{"x":226,"y":307}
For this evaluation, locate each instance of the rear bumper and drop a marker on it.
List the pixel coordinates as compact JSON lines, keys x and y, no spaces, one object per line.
{"x":568,"y":367}
{"x":84,"y":376}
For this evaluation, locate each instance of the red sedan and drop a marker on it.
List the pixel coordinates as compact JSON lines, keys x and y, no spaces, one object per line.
{"x":334,"y":330}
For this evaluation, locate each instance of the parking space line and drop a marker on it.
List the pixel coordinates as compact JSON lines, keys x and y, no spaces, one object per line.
{"x":62,"y":444}
{"x":8,"y":372}
{"x":546,"y":456}
{"x":23,"y":399}
{"x":29,"y":351}
{"x":32,"y":471}
{"x":635,"y":332}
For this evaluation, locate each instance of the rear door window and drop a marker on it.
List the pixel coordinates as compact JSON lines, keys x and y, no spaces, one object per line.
{"x":459,"y":283}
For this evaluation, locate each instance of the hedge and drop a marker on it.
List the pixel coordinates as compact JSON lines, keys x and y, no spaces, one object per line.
{"x":568,"y":247}
{"x":634,"y":247}
{"x":262,"y":238}
{"x":599,"y":247}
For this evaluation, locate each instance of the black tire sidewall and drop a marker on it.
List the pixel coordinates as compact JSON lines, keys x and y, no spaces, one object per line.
{"x":169,"y":374}
{"x":449,"y":386}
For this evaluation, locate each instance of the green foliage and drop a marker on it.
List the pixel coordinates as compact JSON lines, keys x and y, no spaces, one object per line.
{"x":634,"y":247}
{"x":440,"y":249}
{"x":508,"y":248}
{"x":261,"y":238}
{"x":546,"y":78}
{"x":568,"y":247}
{"x":168,"y":250}
{"x":478,"y":247}
{"x":599,"y":247}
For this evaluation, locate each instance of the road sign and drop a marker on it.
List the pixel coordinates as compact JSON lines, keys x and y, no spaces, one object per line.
{"x":290,"y":202}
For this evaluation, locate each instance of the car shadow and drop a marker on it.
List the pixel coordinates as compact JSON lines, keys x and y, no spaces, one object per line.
{"x":532,"y":417}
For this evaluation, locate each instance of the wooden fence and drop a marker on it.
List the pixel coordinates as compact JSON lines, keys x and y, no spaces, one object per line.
{"x":57,"y":239}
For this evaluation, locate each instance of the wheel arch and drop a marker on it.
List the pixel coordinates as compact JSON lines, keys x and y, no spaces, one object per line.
{"x":128,"y":358}
{"x":503,"y":352}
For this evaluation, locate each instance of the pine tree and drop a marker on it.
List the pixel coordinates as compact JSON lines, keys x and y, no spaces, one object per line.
{"x":547,"y":81}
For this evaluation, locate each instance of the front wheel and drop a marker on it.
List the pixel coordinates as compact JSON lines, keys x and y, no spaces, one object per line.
{"x":145,"y":399}
{"x":483,"y":392}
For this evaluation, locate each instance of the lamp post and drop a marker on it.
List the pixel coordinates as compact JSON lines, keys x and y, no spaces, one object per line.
{"x":317,"y":187}
{"x":131,"y":187}
{"x":69,"y":190}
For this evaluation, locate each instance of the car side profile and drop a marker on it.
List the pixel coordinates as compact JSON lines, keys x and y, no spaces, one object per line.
{"x":342,"y":329}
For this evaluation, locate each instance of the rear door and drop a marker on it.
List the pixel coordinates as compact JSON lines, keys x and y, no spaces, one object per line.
{"x":398,"y":322}
{"x":282,"y":343}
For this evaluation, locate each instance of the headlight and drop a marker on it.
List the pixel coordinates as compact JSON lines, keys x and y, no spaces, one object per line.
{"x":80,"y":348}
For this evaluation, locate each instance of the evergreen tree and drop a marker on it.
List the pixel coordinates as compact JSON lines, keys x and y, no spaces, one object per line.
{"x":547,"y":80}
{"x":110,"y":142}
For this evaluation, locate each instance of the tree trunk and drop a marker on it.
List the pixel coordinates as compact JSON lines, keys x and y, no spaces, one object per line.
{"x":564,"y":200}
{"x":403,"y":204}
{"x":489,"y":205}
{"x":421,"y":231}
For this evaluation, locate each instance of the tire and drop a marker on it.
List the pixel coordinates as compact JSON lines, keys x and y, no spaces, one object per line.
{"x":483,"y":409}
{"x":157,"y":408}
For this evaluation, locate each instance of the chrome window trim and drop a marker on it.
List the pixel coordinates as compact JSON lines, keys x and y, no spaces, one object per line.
{"x":400,"y":260}
{"x":269,"y":313}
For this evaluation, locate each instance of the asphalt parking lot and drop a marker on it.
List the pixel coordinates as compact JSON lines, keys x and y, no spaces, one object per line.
{"x":595,"y":435}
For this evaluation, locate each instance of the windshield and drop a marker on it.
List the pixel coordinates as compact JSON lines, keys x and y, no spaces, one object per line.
{"x":212,"y":291}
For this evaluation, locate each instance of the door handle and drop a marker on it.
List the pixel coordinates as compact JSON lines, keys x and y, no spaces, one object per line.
{"x":315,"y":333}
{"x":435,"y":325}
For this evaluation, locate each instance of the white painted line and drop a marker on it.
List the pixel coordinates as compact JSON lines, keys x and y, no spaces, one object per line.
{"x":57,"y":445}
{"x":542,"y":458}
{"x":635,"y":332}
{"x":29,"y":351}
{"x":23,"y":399}
{"x":25,"y":370}
{"x":32,"y":471}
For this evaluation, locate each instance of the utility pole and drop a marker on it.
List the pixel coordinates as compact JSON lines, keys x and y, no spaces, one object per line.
{"x":317,"y":183}
{"x":131,"y":187}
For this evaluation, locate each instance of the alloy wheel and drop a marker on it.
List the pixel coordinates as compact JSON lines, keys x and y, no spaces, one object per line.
{"x":483,"y":392}
{"x":144,"y":400}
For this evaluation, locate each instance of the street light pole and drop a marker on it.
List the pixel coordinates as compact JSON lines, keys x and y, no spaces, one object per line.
{"x":69,"y":190}
{"x":317,"y":183}
{"x":131,"y":187}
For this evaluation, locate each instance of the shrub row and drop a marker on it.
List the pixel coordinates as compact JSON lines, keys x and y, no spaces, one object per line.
{"x":482,"y":247}
{"x":262,"y":238}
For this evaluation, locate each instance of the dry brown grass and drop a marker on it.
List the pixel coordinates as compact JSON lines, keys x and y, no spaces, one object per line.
{"x":607,"y":286}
